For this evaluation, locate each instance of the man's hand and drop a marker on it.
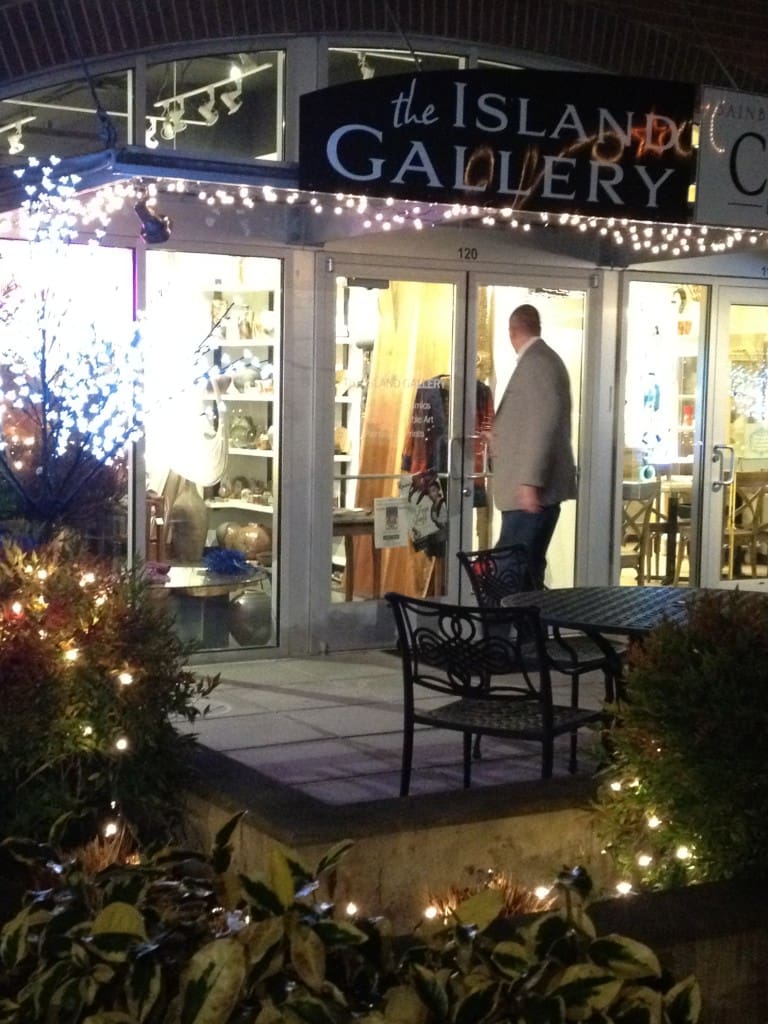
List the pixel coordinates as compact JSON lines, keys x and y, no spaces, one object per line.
{"x":529,"y":498}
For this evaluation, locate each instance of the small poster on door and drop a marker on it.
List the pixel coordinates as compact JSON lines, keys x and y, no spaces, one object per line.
{"x":391,"y":522}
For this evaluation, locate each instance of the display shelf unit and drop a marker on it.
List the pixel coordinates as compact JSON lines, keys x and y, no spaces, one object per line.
{"x":244,"y":329}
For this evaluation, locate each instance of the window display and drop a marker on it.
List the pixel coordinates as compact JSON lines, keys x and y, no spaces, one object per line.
{"x":213,"y":439}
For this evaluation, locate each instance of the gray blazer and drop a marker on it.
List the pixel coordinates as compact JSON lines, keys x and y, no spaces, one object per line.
{"x":532,"y":430}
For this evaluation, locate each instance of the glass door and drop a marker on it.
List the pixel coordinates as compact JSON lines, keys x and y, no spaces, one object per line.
{"x":666,"y":325}
{"x":398,"y":401}
{"x":735,"y":533}
{"x":562,"y":310}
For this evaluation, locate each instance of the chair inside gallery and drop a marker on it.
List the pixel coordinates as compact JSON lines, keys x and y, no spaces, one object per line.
{"x":492,"y":668}
{"x":494,"y":573}
{"x":640,"y":504}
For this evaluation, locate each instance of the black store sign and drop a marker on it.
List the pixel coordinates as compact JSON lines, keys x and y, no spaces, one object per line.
{"x":563,"y":142}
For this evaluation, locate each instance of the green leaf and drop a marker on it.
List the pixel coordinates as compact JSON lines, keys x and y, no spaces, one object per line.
{"x":546,"y":1010}
{"x":120,"y":918}
{"x":332,"y":857}
{"x":683,"y":1002}
{"x":112,"y":946}
{"x":212,"y":983}
{"x":281,"y":877}
{"x":110,"y":1017}
{"x":639,"y":1005}
{"x":308,"y":1010}
{"x":511,"y":958}
{"x":142,"y":987}
{"x":477,"y":1006}
{"x":263,"y":944}
{"x":261,"y":896}
{"x":481,"y":909}
{"x":430,"y":990}
{"x":339,"y":933}
{"x":403,"y":1006}
{"x":543,"y":932}
{"x":308,"y":956}
{"x":585,"y":987}
{"x":221,"y":855}
{"x":625,"y":957}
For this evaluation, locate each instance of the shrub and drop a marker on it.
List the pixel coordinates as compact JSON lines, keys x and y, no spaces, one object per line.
{"x":179,"y":939}
{"x":91,"y":676}
{"x":687,"y":796}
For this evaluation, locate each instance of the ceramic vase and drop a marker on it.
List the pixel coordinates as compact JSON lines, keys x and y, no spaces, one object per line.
{"x":189,"y":524}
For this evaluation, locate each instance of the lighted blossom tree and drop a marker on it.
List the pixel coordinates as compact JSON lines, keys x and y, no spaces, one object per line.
{"x":70,"y":372}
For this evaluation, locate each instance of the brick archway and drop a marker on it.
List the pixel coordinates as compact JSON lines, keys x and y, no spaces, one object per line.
{"x":693,"y":40}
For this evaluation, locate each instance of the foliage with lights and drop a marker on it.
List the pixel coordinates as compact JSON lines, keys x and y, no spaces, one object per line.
{"x":686,"y":799}
{"x":179,"y":937}
{"x":70,"y":371}
{"x":93,"y":687}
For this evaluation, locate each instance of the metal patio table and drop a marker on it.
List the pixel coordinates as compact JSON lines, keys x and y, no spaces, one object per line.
{"x":628,"y":611}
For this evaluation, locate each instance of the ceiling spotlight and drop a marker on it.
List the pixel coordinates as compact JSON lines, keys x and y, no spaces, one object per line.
{"x":151,"y":140}
{"x":173,"y":120}
{"x":367,"y":69}
{"x":232,"y":99}
{"x":206,"y":110}
{"x":15,"y":145}
{"x":155,"y":229}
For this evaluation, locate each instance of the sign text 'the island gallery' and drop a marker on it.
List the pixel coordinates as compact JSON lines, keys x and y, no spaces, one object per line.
{"x":534,"y":140}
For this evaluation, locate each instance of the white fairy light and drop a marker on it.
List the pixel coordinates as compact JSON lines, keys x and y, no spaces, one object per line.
{"x":431,"y":913}
{"x":644,"y":860}
{"x":683,"y":852}
{"x":653,"y":821}
{"x":351,"y":909}
{"x":541,"y":892}
{"x":121,"y":744}
{"x":623,"y":888}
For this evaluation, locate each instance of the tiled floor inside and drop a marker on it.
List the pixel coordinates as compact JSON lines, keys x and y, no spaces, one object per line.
{"x":331,"y":727}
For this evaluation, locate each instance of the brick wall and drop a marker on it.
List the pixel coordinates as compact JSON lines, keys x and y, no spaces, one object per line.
{"x":704,"y":41}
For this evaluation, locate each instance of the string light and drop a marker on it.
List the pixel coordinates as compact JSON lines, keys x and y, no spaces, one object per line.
{"x":623,"y":888}
{"x":653,"y":821}
{"x":98,"y":207}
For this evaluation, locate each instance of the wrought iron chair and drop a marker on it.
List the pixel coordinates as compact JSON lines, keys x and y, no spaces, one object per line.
{"x":495,"y":572}
{"x":479,"y":660}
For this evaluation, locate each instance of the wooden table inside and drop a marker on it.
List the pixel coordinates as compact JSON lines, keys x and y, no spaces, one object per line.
{"x":349,"y":524}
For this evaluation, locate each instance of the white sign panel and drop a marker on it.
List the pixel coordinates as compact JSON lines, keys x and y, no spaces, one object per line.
{"x":732,"y":182}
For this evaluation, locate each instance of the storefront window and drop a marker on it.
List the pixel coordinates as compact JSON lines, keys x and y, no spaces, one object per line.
{"x":350,"y":64}
{"x":212,"y":445}
{"x":62,"y":119}
{"x":665,"y":322}
{"x":227,"y":105}
{"x":70,"y":373}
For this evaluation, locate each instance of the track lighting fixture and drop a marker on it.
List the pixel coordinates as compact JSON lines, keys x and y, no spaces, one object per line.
{"x":207,"y":109}
{"x":367,"y":69}
{"x":151,"y":140}
{"x":13,"y":133}
{"x":15,"y":145}
{"x":155,"y":228}
{"x":233,"y":98}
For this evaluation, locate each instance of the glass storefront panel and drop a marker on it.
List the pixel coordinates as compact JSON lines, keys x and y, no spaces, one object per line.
{"x":350,"y":64}
{"x":70,"y":374}
{"x":213,"y":441}
{"x":665,"y":330}
{"x":61,"y":120}
{"x":393,"y":358}
{"x":227,"y":105}
{"x":745,"y":500}
{"x":562,"y":314}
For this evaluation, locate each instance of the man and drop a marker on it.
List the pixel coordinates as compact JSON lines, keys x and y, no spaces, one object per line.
{"x":533,"y":465}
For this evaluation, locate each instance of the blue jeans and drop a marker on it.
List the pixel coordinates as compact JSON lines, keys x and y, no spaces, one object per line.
{"x":534,"y":531}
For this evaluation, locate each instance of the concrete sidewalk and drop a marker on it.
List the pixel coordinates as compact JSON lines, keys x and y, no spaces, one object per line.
{"x":331,"y":727}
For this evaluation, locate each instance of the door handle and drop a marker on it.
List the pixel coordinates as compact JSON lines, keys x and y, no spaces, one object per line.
{"x":725,"y":455}
{"x":457,"y":450}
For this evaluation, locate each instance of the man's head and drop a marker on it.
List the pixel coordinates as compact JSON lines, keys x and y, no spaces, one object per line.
{"x":524,"y":324}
